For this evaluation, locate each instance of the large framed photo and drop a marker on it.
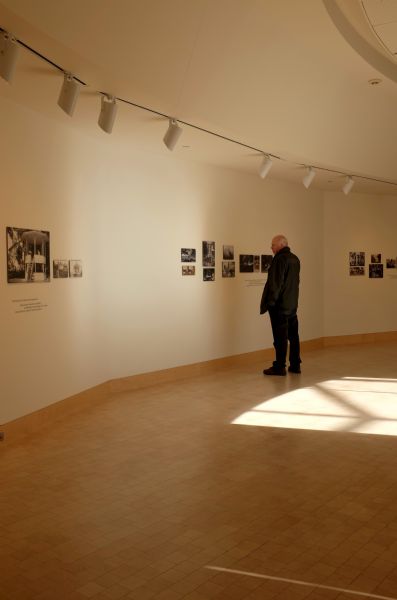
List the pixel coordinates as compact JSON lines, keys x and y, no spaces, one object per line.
{"x":28,"y":255}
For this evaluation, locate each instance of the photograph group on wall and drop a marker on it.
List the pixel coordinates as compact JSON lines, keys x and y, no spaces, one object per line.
{"x":28,"y":258}
{"x":375,"y":267}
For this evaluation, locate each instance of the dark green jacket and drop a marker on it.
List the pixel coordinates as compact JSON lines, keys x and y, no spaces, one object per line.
{"x":282,"y":286}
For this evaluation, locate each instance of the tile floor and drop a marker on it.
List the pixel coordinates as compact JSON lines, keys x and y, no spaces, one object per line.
{"x":136,"y":498}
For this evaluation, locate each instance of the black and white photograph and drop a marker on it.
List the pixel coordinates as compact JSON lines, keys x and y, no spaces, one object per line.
{"x":188,"y":254}
{"x":357,"y":259}
{"x":208,"y":254}
{"x":266,"y":261}
{"x":60,"y":268}
{"x":208,"y":274}
{"x":228,"y":252}
{"x":75,"y":268}
{"x":188,"y":270}
{"x":376,"y":258}
{"x":357,"y":270}
{"x":228,"y":268}
{"x":375,"y":271}
{"x":391,"y":263}
{"x":28,"y":255}
{"x":246,"y":263}
{"x":257,"y":263}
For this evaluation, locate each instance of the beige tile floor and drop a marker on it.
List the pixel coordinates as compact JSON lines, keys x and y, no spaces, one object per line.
{"x":290,"y":478}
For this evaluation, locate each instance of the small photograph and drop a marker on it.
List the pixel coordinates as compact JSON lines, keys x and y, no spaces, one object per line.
{"x":208,"y":254}
{"x":208,"y":274}
{"x":257,"y":263}
{"x":391,"y":263}
{"x":375,"y":271}
{"x":75,"y":268}
{"x":266,"y":261}
{"x":228,"y":268}
{"x":246,"y":263}
{"x":188,"y":254}
{"x":228,"y":252}
{"x":357,"y":259}
{"x":376,"y":258}
{"x":188,"y":270}
{"x":60,"y":268}
{"x":28,"y":255}
{"x":357,"y":270}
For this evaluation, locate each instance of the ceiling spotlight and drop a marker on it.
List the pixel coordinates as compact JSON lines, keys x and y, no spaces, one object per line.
{"x":172,"y":134}
{"x":9,"y":49}
{"x":108,"y":113}
{"x":347,"y":186}
{"x":309,"y":176}
{"x":265,"y":166}
{"x":69,"y":93}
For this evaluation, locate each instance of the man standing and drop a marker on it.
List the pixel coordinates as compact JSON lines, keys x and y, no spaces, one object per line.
{"x":280,"y":298}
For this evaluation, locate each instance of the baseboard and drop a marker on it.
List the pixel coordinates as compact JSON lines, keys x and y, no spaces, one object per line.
{"x":135,"y":382}
{"x":28,"y":425}
{"x":46,"y":417}
{"x":360,"y":338}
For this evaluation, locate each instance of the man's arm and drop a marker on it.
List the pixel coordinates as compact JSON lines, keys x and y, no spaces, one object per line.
{"x":275,"y":281}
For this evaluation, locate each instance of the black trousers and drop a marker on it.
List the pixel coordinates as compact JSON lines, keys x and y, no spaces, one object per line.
{"x":285,"y":329}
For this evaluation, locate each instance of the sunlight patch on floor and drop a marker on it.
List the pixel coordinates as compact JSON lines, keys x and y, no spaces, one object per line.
{"x":348,"y":404}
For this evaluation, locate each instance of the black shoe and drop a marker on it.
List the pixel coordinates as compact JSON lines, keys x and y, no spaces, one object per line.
{"x":275,"y":371}
{"x":294,"y":369}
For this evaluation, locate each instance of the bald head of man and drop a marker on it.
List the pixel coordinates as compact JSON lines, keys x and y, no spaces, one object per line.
{"x":279,"y":241}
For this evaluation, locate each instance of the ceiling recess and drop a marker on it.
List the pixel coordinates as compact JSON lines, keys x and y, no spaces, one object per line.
{"x":382,"y":18}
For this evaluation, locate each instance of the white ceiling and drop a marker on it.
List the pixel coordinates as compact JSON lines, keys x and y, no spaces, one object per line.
{"x":281,"y":76}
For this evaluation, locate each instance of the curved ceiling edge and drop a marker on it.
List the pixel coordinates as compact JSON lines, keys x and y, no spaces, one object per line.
{"x":358,"y":42}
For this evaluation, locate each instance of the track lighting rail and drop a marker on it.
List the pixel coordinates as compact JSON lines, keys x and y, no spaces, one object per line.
{"x":108,"y":113}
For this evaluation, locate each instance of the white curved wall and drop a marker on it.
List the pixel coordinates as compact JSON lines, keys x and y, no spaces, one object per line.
{"x":126,"y":215}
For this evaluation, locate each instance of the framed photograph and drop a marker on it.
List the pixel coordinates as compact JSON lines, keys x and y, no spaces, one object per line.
{"x":357,"y":259}
{"x":75,"y":268}
{"x":391,"y":263}
{"x":60,"y":269}
{"x":188,"y":270}
{"x":208,"y":254}
{"x":228,"y":252}
{"x":208,"y":274}
{"x":228,"y":268}
{"x":266,"y":261}
{"x":357,"y":270}
{"x":188,"y":254}
{"x":246,"y":263}
{"x":28,"y":255}
{"x":375,"y":271}
{"x":257,"y":263}
{"x":376,"y":258}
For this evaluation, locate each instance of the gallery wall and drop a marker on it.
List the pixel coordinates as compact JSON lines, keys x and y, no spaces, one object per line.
{"x":358,"y":304}
{"x":126,"y":214}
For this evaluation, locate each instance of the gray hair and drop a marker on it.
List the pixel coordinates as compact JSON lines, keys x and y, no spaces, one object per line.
{"x":281,"y":239}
